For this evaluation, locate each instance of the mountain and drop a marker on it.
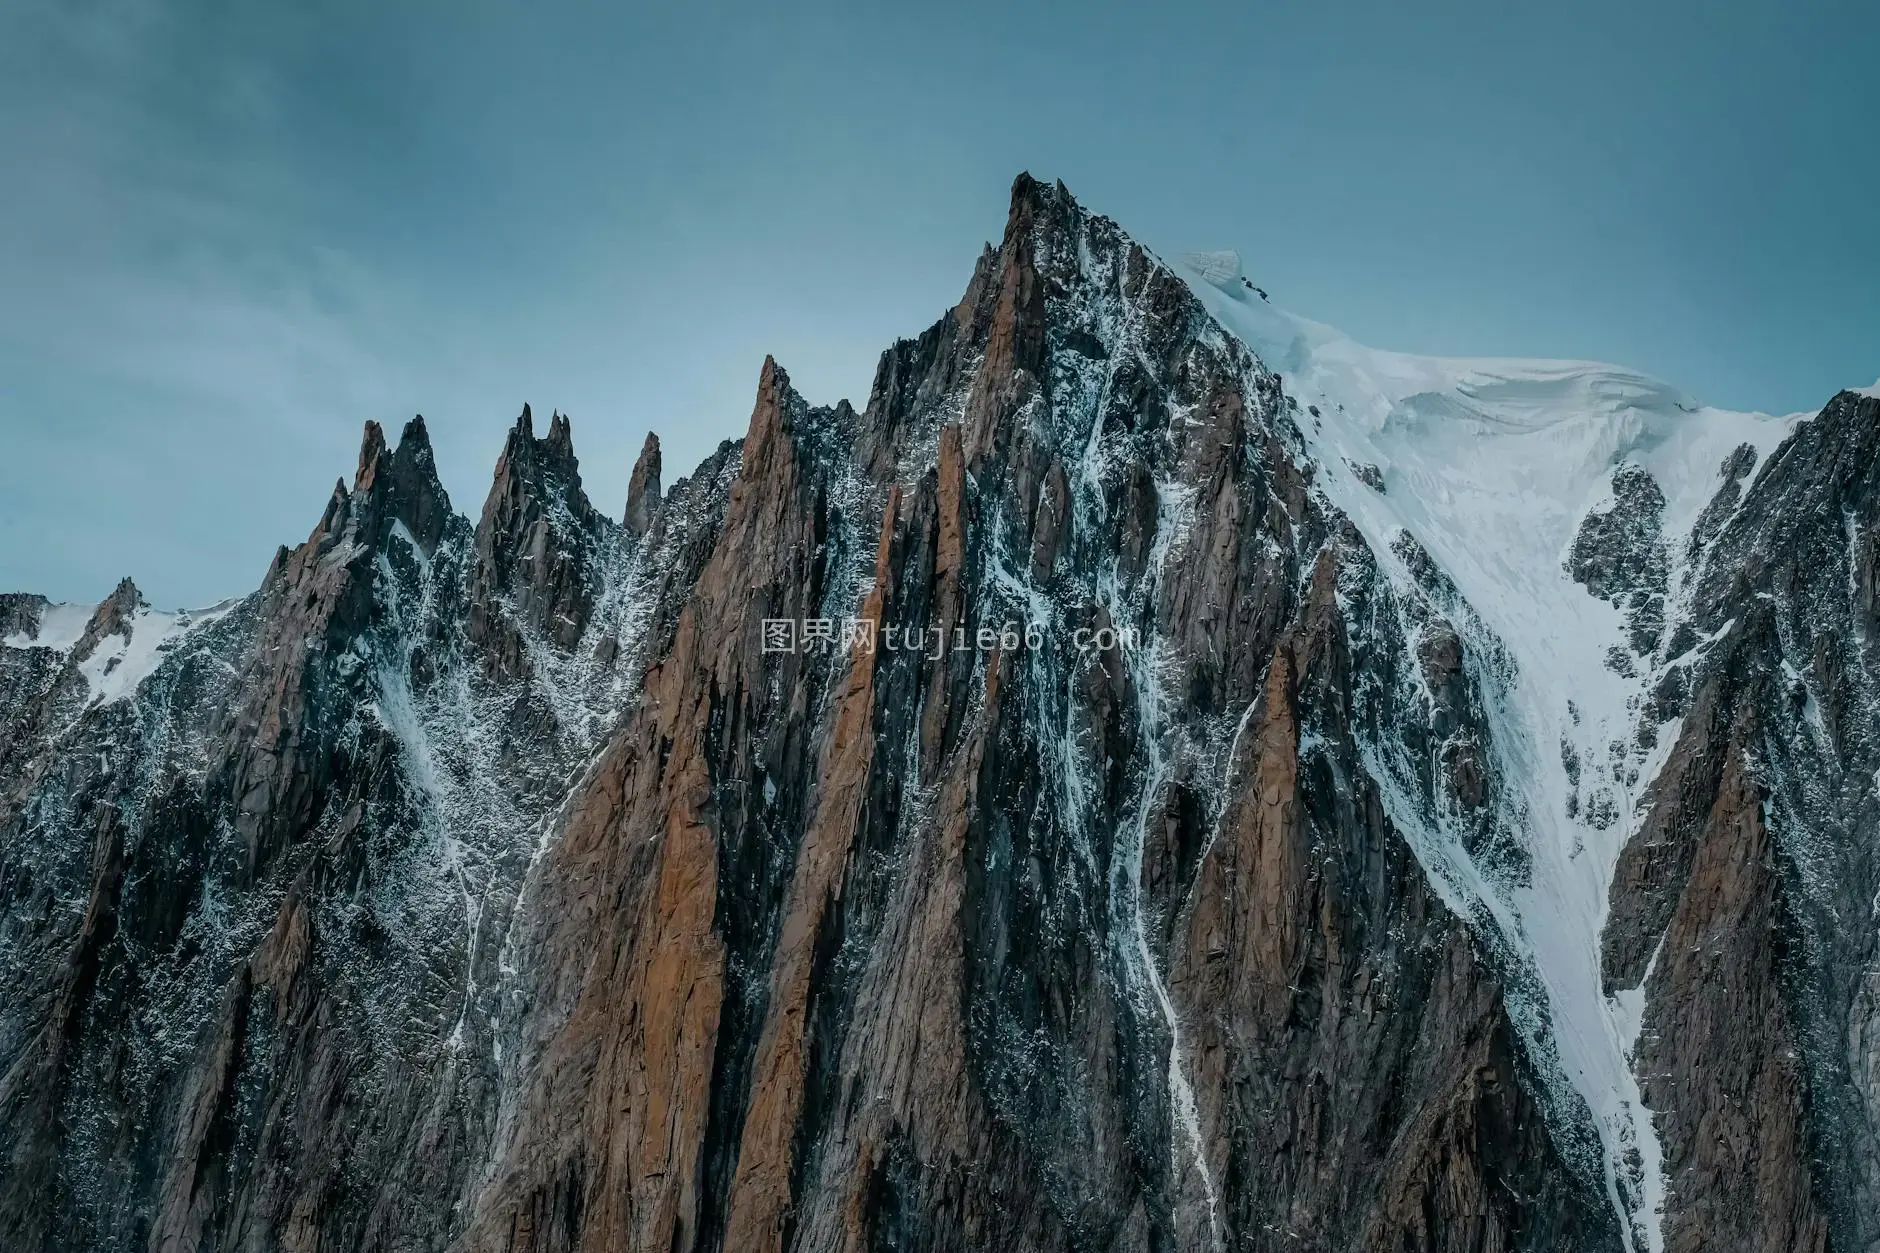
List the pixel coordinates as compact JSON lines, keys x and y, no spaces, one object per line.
{"x":1159,"y":776}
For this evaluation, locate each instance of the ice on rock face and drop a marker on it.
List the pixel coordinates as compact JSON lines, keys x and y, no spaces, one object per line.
{"x":1871,"y":393}
{"x":1219,"y":269}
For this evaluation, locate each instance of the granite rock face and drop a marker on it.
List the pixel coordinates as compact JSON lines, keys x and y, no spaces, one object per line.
{"x":508,"y":887}
{"x":643,"y":488}
{"x":1745,"y":903}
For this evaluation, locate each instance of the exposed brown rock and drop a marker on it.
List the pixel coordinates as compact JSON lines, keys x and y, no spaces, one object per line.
{"x":1317,"y":959}
{"x":112,"y":617}
{"x":1720,"y":1057}
{"x":643,"y":488}
{"x":1730,"y":902}
{"x":761,"y":1191}
{"x":500,"y":890}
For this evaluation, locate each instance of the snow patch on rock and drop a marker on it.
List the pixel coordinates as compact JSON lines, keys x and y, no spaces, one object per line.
{"x":120,"y":660}
{"x":119,"y":663}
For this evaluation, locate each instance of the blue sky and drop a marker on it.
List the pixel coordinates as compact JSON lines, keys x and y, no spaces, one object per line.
{"x":232,"y":233}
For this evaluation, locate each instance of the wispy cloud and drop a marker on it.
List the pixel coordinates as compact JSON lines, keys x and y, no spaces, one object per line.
{"x":169,"y":316}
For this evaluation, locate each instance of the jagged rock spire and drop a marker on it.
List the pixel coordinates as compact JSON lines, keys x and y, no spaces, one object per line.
{"x":546,"y":464}
{"x":1109,"y":931}
{"x":400,"y":485}
{"x":423,"y":504}
{"x":371,"y":450}
{"x":535,"y":544}
{"x":560,"y":441}
{"x":112,"y":617}
{"x":643,"y":487}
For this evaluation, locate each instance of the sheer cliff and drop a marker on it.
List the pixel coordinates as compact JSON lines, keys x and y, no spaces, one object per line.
{"x":1158,"y":776}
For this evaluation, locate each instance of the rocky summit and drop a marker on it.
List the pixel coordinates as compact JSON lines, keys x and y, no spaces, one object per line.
{"x":1160,"y":776}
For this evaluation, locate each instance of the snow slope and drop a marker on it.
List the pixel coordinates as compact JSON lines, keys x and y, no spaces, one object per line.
{"x":60,"y":627}
{"x":120,"y":661}
{"x":1491,"y":465}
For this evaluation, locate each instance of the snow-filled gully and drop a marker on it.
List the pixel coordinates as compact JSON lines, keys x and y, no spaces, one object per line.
{"x":1491,"y":465}
{"x":1145,"y":664}
{"x":1135,"y":604}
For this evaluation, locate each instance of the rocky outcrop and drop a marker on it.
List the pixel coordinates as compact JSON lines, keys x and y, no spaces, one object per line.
{"x":1619,"y":554}
{"x":112,"y":617}
{"x":1319,"y":961}
{"x":303,"y":843}
{"x":643,"y":488}
{"x":1025,"y":813}
{"x":536,"y":547}
{"x":1731,"y":901}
